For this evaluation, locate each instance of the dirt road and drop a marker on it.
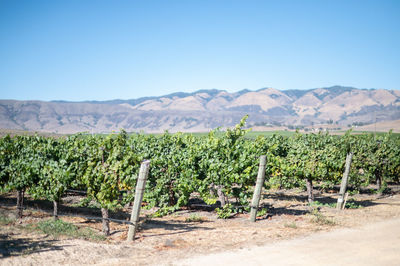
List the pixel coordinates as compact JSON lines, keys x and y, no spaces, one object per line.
{"x":373,"y":244}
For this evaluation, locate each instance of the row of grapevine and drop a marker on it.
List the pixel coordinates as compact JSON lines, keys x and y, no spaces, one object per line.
{"x":218,"y":166}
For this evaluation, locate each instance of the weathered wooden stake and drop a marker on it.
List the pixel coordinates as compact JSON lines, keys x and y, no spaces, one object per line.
{"x":310,"y":190}
{"x":140,"y":186}
{"x":345,"y":180}
{"x":258,"y":188}
{"x":55,"y":210}
{"x":20,"y":203}
{"x":346,"y":195}
{"x":378,"y":175}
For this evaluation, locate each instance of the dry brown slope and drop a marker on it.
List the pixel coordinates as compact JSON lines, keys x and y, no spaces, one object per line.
{"x":204,"y":110}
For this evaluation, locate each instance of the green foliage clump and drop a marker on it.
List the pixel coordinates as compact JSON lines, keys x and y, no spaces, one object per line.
{"x":262,"y":212}
{"x":225,"y":212}
{"x":351,"y":204}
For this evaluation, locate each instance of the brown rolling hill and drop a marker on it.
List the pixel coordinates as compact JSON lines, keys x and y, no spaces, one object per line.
{"x":207,"y":109}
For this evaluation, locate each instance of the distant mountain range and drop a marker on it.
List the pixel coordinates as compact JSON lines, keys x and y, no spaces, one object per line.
{"x":206,"y":109}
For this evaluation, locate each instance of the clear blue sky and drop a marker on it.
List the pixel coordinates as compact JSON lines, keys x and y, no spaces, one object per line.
{"x":98,"y":50}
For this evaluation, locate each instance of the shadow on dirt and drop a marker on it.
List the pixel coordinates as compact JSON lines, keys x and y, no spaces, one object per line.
{"x":284,"y":196}
{"x":328,"y":200}
{"x":331,"y":202}
{"x":47,"y":207}
{"x":172,"y":227}
{"x":10,"y":247}
{"x":285,"y":211}
{"x":297,"y":205}
{"x":175,"y":227}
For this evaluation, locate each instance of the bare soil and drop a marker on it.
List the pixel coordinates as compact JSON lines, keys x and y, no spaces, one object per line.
{"x":372,"y":244}
{"x":174,"y":240}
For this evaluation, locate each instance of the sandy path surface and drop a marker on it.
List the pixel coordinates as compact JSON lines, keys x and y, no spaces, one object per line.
{"x":373,"y":244}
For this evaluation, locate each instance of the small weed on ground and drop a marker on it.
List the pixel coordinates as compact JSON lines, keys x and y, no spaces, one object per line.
{"x":351,"y":204}
{"x":5,"y":220}
{"x":164,"y":211}
{"x":195,"y":218}
{"x":290,"y":225}
{"x":316,"y":203}
{"x":321,"y":219}
{"x":60,"y":228}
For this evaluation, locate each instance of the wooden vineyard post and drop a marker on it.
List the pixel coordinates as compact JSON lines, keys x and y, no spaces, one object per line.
{"x":55,"y":210}
{"x":20,"y":203}
{"x":345,"y":180}
{"x":258,"y":188}
{"x":140,"y":186}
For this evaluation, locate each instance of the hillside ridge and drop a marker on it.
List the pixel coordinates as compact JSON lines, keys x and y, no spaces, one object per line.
{"x":203,"y":110}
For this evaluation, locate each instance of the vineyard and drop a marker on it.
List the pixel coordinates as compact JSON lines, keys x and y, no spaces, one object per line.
{"x":219,"y":169}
